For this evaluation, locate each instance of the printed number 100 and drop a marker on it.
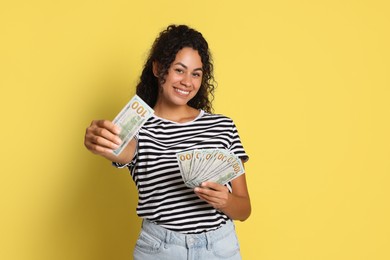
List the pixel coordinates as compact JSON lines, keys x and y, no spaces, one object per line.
{"x":139,"y":108}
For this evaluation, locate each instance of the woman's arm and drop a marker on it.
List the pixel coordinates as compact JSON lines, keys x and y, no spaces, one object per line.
{"x":102,"y":137}
{"x":235,"y":205}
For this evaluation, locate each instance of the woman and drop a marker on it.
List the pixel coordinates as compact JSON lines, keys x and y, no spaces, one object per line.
{"x":178,"y":222}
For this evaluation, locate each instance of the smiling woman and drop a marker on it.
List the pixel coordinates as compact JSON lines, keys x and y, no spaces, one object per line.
{"x":163,"y":57}
{"x":179,"y":222}
{"x":180,"y":85}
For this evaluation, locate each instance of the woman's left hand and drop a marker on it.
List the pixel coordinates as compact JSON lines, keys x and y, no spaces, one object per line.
{"x":215,"y":194}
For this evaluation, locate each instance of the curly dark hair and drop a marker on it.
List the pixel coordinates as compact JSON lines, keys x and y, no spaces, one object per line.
{"x":163,"y":51}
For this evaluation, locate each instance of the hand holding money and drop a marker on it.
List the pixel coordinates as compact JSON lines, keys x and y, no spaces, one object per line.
{"x":213,"y":193}
{"x":109,"y":139}
{"x":101,"y":137}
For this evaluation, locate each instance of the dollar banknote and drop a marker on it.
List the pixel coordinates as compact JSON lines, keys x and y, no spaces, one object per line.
{"x":130,"y":119}
{"x":216,"y":165}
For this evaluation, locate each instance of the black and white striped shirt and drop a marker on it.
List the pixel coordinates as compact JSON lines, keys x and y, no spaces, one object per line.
{"x":163,"y":198}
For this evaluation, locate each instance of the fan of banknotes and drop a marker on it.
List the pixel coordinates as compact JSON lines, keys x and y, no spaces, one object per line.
{"x":216,"y":165}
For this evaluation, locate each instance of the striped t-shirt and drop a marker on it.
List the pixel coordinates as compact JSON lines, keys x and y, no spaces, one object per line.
{"x":162,"y":196}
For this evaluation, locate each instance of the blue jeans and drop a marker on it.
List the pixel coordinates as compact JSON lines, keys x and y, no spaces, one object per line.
{"x":156,"y":242}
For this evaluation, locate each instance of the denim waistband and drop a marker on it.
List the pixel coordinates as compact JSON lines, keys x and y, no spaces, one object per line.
{"x":188,"y":240}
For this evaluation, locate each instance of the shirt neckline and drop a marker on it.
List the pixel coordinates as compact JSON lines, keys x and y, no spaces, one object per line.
{"x":201,"y":113}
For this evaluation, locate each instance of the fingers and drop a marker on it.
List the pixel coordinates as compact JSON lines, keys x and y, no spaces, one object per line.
{"x":213,"y":193}
{"x":102,"y":137}
{"x":213,"y":186}
{"x":106,"y":124}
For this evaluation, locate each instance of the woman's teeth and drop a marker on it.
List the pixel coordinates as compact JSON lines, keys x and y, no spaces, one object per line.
{"x":182,"y":91}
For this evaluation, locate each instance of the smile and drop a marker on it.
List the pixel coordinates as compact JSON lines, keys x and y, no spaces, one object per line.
{"x":184,"y":92}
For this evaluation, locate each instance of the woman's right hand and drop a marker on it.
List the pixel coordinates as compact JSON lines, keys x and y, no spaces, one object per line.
{"x":102,"y":137}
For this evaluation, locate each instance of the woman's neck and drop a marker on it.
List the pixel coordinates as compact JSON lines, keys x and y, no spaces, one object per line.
{"x":179,"y":114}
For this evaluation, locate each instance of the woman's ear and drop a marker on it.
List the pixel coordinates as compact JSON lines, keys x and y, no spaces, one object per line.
{"x":155,"y":68}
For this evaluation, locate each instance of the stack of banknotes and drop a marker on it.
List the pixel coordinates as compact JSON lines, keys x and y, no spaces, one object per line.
{"x":216,"y":165}
{"x":131,"y":118}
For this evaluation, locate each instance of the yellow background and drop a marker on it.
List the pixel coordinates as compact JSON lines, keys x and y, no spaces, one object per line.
{"x":307,"y":83}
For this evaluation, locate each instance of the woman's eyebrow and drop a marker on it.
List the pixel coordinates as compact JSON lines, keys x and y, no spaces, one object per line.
{"x":184,"y":66}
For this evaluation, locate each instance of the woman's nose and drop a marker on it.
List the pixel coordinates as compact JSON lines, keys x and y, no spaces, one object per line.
{"x":186,"y":80}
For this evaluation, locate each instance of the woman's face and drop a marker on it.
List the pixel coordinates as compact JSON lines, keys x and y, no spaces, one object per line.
{"x":183,"y":79}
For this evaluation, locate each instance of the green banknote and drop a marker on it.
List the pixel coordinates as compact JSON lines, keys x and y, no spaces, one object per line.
{"x":131,"y":118}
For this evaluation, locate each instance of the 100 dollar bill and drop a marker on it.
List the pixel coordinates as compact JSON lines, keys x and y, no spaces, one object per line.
{"x":131,"y":118}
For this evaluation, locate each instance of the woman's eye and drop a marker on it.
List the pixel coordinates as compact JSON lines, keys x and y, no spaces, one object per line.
{"x":197,"y":75}
{"x":179,"y":70}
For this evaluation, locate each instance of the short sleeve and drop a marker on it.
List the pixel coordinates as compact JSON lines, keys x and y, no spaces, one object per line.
{"x":236,"y":146}
{"x":120,"y":165}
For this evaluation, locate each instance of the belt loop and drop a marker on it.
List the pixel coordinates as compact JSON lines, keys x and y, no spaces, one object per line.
{"x":167,"y":239}
{"x":209,"y":241}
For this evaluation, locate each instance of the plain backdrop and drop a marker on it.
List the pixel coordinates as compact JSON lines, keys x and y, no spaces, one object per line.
{"x":306,"y":82}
